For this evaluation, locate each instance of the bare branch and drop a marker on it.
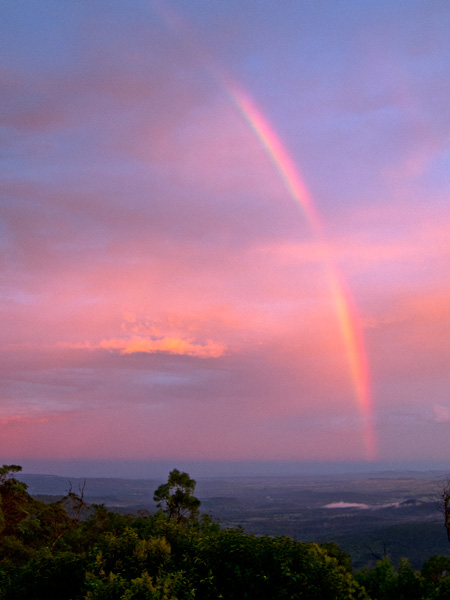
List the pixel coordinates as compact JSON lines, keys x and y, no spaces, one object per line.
{"x":78,"y":504}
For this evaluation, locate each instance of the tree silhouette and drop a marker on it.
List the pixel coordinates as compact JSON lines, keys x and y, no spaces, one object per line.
{"x":14,"y":499}
{"x":175,"y":497}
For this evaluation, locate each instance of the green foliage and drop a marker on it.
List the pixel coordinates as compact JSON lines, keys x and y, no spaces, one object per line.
{"x":343,"y":559}
{"x":436,"y":568}
{"x":99,"y":523}
{"x":28,"y":521}
{"x":384,"y":583}
{"x":380,"y":581}
{"x":410,"y":584}
{"x":14,"y":500}
{"x":14,"y":551}
{"x":130,"y":555}
{"x":175,"y":498}
{"x":436,"y":576}
{"x":2,"y":518}
{"x":47,"y":576}
{"x":116,"y":587}
{"x":49,"y":553}
{"x":441,"y":591}
{"x":7,"y":473}
{"x":233,"y":564}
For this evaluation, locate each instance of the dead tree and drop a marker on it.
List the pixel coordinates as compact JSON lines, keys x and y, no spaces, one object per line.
{"x":76,"y":504}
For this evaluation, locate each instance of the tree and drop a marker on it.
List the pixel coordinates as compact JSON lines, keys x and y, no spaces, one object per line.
{"x":75,"y":502}
{"x":14,"y":499}
{"x":380,"y":582}
{"x":175,"y":497}
{"x":436,"y":568}
{"x":445,"y":496}
{"x":343,"y":558}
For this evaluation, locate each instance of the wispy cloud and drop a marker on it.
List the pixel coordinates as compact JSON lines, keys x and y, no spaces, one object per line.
{"x":21,"y":419}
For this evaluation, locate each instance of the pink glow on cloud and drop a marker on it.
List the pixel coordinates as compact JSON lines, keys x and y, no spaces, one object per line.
{"x":161,"y":294}
{"x":170,"y":345}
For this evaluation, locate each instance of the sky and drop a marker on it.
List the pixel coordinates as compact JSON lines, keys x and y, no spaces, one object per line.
{"x":224,"y":232}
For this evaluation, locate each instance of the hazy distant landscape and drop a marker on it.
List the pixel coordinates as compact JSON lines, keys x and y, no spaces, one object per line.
{"x":368,"y":515}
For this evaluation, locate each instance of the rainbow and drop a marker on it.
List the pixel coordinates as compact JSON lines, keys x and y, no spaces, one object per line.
{"x":346,"y":311}
{"x":347,"y":314}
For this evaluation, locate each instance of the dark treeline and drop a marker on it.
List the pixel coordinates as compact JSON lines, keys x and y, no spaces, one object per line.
{"x":66,"y":550}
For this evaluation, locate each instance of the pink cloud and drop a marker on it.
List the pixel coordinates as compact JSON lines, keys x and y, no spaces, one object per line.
{"x":170,"y":345}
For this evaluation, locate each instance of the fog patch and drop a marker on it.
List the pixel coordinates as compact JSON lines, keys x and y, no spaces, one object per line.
{"x":360,"y":506}
{"x":346,"y":505}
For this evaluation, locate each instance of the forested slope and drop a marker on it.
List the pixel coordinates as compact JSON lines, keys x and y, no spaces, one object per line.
{"x":49,"y":551}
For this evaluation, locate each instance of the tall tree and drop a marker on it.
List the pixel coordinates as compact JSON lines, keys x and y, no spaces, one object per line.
{"x":176,"y":499}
